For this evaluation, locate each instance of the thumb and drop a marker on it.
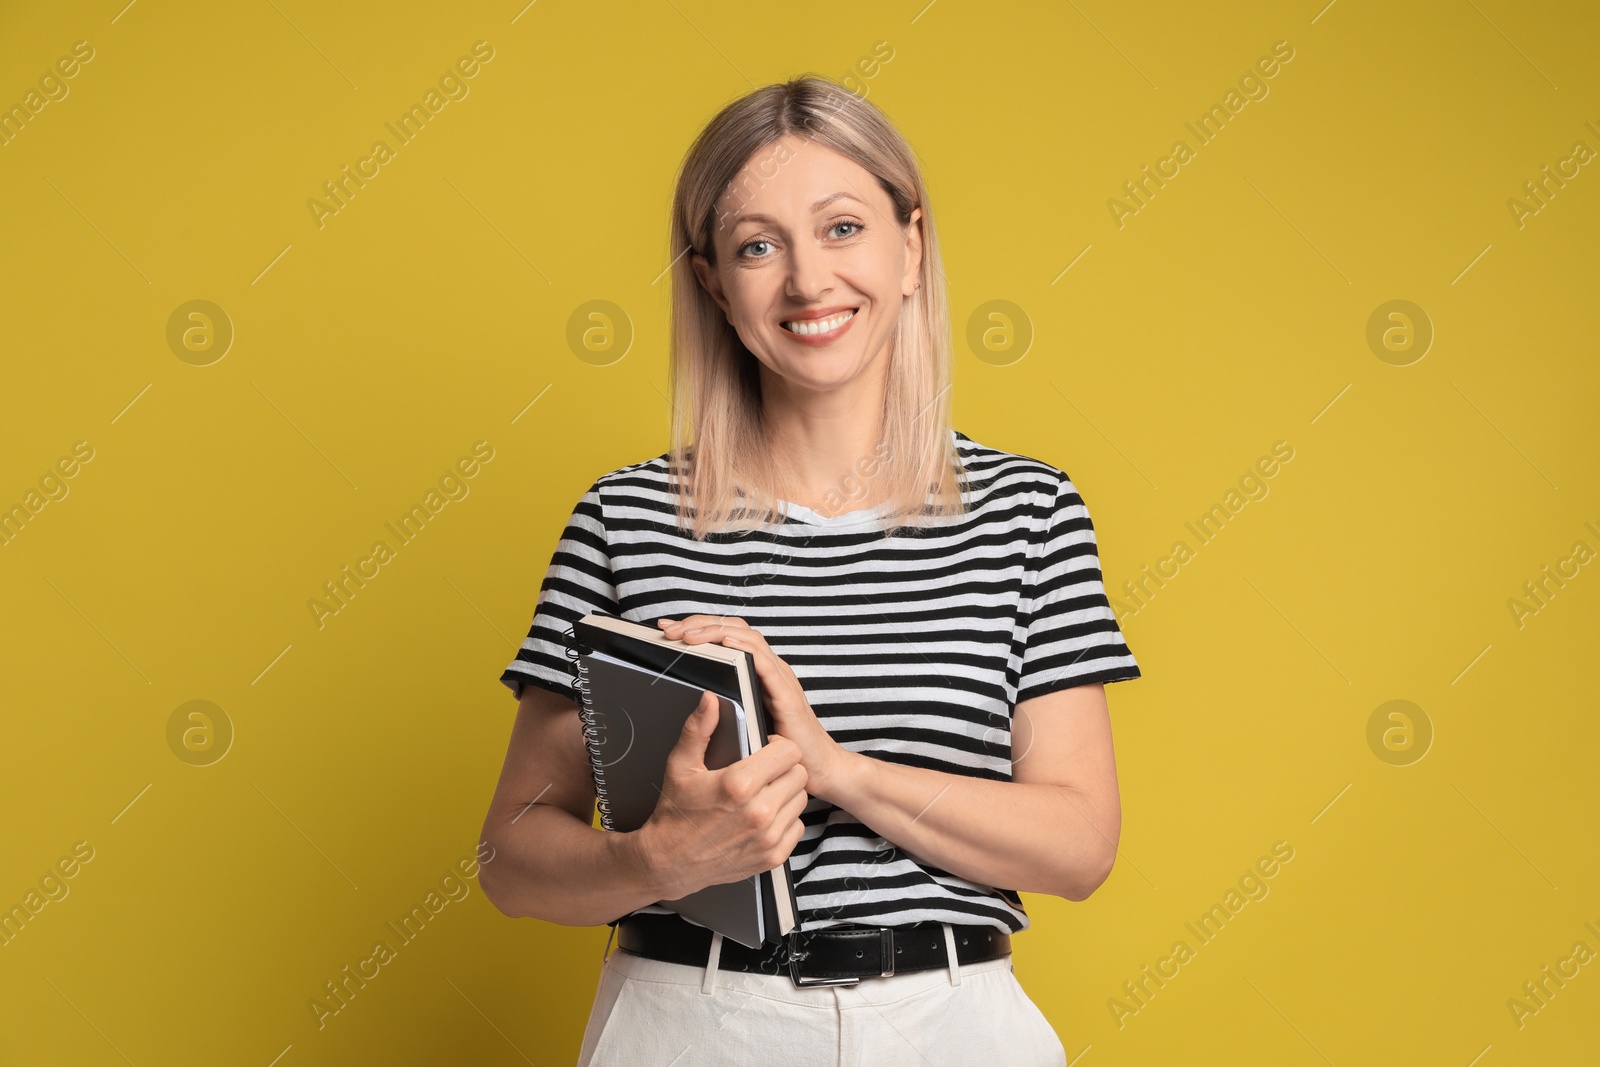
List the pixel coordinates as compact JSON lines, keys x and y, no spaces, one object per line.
{"x":697,"y":730}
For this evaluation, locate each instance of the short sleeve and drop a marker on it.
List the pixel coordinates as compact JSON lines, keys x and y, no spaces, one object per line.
{"x":1071,"y":636}
{"x":578,"y":582}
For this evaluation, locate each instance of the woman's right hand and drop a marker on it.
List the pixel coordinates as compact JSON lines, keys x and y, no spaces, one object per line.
{"x":715,"y":826}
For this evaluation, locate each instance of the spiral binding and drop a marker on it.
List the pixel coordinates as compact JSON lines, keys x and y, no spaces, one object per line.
{"x":591,"y":728}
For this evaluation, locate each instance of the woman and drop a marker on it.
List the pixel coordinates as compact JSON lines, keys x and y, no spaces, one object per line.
{"x":926,"y":614}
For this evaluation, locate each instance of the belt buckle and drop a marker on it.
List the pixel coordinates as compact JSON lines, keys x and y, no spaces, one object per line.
{"x":796,"y":954}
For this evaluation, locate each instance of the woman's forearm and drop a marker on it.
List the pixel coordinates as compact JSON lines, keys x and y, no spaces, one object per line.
{"x":1028,"y":836}
{"x":549,"y":865}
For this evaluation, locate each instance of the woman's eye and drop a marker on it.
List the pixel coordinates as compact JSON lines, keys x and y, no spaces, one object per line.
{"x":746,"y":253}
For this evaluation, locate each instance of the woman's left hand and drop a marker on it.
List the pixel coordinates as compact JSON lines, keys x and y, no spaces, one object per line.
{"x":785,"y":701}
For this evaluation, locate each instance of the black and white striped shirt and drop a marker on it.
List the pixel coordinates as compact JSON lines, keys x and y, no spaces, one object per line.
{"x":913,"y":648}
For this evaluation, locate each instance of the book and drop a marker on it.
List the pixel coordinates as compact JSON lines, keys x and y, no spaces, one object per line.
{"x":636,"y":688}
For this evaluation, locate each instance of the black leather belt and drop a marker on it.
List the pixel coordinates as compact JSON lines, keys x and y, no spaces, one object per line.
{"x":836,"y":955}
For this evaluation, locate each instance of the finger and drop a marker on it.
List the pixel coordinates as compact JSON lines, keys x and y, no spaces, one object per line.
{"x":767,"y":661}
{"x":703,"y":622}
{"x":781,"y":750}
{"x":771,"y":761}
{"x":792,"y":838}
{"x":687,"y":620}
{"x":679,"y":631}
{"x":780,"y":686}
{"x":791,"y":809}
{"x":786,"y":785}
{"x":690,"y":751}
{"x":782,"y":792}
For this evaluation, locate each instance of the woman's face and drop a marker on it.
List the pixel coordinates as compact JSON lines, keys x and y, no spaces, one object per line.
{"x":811,"y":264}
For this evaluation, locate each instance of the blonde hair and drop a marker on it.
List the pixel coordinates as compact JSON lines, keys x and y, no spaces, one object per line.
{"x":719,"y":449}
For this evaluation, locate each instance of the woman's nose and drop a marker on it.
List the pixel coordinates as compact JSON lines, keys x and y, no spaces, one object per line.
{"x":808,"y":274}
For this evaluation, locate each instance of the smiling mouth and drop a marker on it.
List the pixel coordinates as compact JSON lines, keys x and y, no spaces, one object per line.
{"x":817,"y":327}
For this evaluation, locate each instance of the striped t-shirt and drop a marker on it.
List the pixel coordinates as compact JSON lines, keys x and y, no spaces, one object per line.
{"x":913,"y":647}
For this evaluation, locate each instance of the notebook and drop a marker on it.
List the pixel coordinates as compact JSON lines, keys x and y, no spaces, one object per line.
{"x":635,"y":690}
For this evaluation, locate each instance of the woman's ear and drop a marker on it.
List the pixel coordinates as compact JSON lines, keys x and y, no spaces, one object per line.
{"x":710,"y":281}
{"x":909,"y":282}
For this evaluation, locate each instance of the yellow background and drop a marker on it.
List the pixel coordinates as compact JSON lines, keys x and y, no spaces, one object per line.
{"x":371,"y":353}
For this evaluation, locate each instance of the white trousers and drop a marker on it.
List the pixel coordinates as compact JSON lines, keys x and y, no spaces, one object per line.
{"x":649,"y":1012}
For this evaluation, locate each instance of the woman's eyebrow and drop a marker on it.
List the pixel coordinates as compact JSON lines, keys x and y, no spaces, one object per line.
{"x":815,"y":208}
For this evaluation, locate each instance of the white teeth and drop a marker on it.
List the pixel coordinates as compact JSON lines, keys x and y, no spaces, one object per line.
{"x":813,"y":326}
